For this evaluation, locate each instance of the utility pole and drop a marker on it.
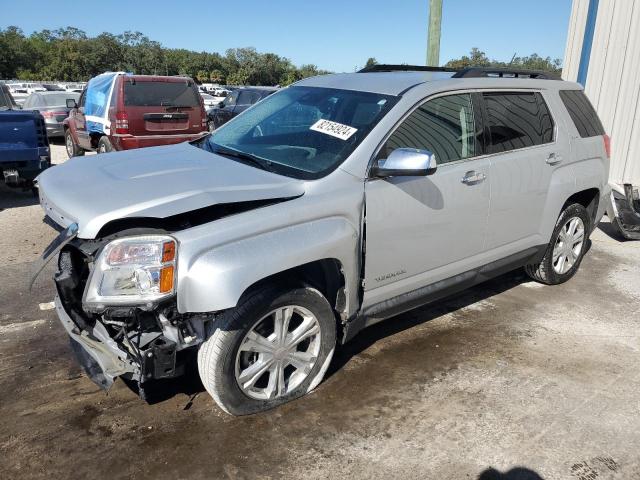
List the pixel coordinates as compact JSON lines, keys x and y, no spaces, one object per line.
{"x":433,"y":38}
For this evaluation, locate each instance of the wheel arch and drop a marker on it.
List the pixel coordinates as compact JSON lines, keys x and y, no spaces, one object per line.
{"x":321,"y":254}
{"x":589,"y":199}
{"x":325,"y":275}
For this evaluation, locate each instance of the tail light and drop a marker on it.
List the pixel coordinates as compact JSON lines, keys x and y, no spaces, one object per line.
{"x":122,"y":123}
{"x":204,"y":122}
{"x":53,"y":114}
{"x":607,"y":144}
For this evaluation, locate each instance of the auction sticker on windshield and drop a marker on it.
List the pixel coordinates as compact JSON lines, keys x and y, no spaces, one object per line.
{"x":334,"y":129}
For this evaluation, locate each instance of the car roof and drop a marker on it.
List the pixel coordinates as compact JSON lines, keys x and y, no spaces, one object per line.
{"x":270,"y":89}
{"x":397,"y":83}
{"x":386,"y":83}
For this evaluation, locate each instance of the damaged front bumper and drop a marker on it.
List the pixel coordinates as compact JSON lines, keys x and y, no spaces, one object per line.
{"x":97,"y":352}
{"x":624,"y":210}
{"x":136,"y":343}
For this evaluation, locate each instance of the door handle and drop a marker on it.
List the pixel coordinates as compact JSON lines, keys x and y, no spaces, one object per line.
{"x":554,"y":158}
{"x":472,"y":177}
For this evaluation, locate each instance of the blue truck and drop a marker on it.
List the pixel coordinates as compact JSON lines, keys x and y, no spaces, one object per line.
{"x":24,"y":147}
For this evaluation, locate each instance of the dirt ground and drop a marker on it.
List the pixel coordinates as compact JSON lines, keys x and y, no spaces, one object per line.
{"x":509,"y":378}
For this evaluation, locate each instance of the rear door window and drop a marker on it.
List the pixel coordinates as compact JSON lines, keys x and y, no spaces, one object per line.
{"x":166,"y":94}
{"x":517,"y":120}
{"x":582,"y":113}
{"x":248,"y":97}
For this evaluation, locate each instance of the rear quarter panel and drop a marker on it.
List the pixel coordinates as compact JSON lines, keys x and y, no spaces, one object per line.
{"x":585,"y":166}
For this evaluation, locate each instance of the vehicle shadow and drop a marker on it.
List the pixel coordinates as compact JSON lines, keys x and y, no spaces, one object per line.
{"x":158,"y":391}
{"x":16,"y":197}
{"x":517,"y":473}
{"x":424,"y":314}
{"x":190,"y":384}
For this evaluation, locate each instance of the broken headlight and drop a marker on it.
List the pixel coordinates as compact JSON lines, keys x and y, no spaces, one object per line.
{"x":132,"y":271}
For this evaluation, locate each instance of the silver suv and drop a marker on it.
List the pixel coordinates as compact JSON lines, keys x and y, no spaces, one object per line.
{"x":331,"y":205}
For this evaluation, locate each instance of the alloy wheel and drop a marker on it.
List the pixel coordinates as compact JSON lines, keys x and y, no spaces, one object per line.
{"x":278,"y":353}
{"x":566,"y":251}
{"x":69,"y":143}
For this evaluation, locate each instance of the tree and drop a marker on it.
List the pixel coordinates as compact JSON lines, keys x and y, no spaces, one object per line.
{"x":478,"y":58}
{"x":70,"y":54}
{"x":371,"y":61}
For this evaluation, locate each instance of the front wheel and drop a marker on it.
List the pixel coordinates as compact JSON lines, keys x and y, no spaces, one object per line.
{"x":566,"y":249}
{"x":275,"y":346}
{"x":73,"y":150}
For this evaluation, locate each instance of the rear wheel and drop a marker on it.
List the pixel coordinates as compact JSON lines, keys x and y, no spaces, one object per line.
{"x":73,"y":150}
{"x":104,"y":145}
{"x":275,"y":346}
{"x":566,"y":249}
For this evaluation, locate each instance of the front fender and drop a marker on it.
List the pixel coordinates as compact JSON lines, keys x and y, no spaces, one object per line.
{"x":215,"y":279}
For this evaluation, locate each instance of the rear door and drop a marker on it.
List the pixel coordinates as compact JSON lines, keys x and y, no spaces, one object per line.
{"x":525,"y":150}
{"x":162,"y":106}
{"x":420,"y":230}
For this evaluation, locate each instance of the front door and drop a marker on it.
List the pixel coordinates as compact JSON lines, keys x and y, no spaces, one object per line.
{"x":420,"y":230}
{"x":80,"y":122}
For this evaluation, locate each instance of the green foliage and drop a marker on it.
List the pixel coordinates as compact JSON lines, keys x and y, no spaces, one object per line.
{"x":68,"y":54}
{"x":478,"y":58}
{"x":371,"y":61}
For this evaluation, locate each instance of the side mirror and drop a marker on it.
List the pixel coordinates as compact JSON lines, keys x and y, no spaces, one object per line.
{"x":406,"y":162}
{"x":221,"y":104}
{"x":71,"y":103}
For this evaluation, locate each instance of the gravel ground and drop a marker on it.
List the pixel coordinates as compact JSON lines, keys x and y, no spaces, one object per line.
{"x":512,"y":377}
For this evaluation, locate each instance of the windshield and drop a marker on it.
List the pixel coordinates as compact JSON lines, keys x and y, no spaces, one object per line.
{"x":303,"y":132}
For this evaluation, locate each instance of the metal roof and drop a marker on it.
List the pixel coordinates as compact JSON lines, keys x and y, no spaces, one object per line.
{"x":386,"y":83}
{"x":396,"y":83}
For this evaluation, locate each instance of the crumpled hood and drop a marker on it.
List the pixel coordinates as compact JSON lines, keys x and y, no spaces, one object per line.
{"x":155,"y":182}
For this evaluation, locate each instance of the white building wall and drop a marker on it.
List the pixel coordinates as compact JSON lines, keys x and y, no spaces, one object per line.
{"x":613,"y":80}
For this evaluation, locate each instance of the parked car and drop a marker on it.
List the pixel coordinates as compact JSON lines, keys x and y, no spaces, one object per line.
{"x":53,"y":107}
{"x":251,"y":246}
{"x":118,"y":111}
{"x":24,"y":148}
{"x":18,"y":92}
{"x":235,"y":103}
{"x":210,"y":101}
{"x":73,"y":87}
{"x":50,"y":87}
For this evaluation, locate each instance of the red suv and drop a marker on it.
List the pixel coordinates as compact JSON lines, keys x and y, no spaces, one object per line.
{"x":135,"y":111}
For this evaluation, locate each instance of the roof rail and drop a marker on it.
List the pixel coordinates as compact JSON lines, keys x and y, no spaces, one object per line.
{"x":482,"y":72}
{"x":405,"y":68}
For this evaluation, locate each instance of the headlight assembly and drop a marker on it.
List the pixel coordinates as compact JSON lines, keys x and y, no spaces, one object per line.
{"x":133,"y":271}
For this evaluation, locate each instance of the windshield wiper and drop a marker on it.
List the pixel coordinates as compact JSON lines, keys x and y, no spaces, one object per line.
{"x":257,"y":161}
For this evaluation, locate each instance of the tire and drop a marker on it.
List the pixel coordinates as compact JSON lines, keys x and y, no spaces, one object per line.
{"x":228,"y":352}
{"x":104,"y":145}
{"x":553,"y":271}
{"x":73,"y":149}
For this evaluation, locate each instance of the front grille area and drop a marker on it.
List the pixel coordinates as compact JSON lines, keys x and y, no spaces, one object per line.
{"x":71,"y":278}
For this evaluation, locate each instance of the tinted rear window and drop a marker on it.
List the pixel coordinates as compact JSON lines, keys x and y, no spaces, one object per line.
{"x":58,"y":99}
{"x":152,"y":94}
{"x":582,"y":113}
{"x":517,"y":120}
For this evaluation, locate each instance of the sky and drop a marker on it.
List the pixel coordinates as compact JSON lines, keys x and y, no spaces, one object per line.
{"x":337,"y":35}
